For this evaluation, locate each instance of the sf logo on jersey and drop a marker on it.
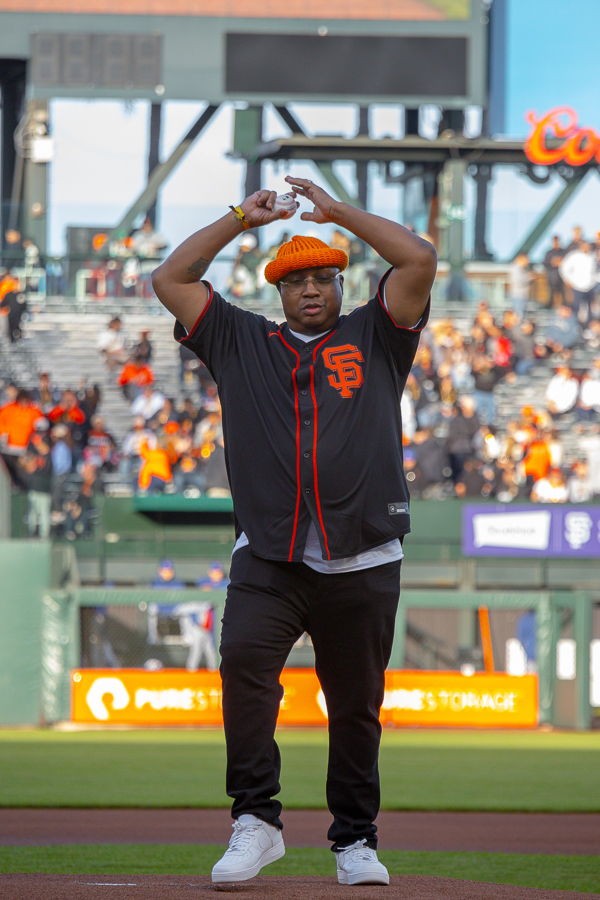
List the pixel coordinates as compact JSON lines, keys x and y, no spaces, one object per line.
{"x":345,"y":363}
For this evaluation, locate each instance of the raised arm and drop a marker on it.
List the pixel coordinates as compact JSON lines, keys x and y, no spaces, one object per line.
{"x":177,"y":281}
{"x":414,"y":260}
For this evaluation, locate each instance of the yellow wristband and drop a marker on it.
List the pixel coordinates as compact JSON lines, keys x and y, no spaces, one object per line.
{"x":240,"y":215}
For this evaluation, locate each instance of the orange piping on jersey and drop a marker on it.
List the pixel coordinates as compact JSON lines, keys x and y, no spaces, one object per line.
{"x":403,"y":327}
{"x":201,"y":316}
{"x":297,"y":405}
{"x":326,"y":338}
{"x":314,"y":399}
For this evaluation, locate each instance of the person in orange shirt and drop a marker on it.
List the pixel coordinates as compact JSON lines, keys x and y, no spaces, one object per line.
{"x":16,"y":428}
{"x":537,"y":459}
{"x":67,"y":411}
{"x":134,"y":375}
{"x":16,"y":422}
{"x":8,"y":282}
{"x":10,"y":305}
{"x":155,"y":473}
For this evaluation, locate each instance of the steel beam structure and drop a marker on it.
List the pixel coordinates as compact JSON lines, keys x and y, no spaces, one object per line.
{"x":12,"y":105}
{"x":154,"y":149}
{"x":325,"y":167}
{"x":160,"y":174}
{"x":547,"y":218}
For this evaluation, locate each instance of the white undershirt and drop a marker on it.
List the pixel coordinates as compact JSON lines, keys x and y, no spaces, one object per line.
{"x":312,"y":551}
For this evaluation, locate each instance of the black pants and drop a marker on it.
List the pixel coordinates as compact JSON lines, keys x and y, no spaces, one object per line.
{"x":350,"y":618}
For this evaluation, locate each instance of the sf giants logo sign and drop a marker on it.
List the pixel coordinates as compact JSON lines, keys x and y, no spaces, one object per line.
{"x":345,"y":363}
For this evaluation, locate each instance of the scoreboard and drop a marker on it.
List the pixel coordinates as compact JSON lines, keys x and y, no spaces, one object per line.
{"x":365,"y":51}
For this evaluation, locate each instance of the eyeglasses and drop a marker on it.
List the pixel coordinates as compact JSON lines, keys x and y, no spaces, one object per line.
{"x":322,"y":281}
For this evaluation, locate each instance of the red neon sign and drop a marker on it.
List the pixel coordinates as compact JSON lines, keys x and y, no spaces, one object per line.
{"x":578,"y":145}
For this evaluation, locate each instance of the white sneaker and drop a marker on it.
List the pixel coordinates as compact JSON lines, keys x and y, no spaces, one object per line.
{"x":358,"y":864}
{"x":253,"y":844}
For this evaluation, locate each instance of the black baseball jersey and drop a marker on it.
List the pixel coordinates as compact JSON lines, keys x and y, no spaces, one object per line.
{"x":312,"y":430}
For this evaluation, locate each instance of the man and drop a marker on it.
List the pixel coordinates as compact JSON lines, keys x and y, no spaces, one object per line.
{"x":134,"y":375}
{"x":17,"y":421}
{"x":577,"y":239}
{"x":460,"y":440}
{"x":68,"y":412}
{"x":112,"y":344}
{"x":243,"y":280}
{"x":148,"y":402}
{"x":101,"y":448}
{"x":147,"y":241}
{"x":155,"y":471}
{"x":165,"y":577}
{"x":37,"y":474}
{"x":81,"y":512}
{"x":551,"y":489}
{"x":522,"y":338}
{"x":486,"y":375}
{"x":562,"y":332}
{"x":136,"y":437}
{"x":144,"y":348}
{"x":537,"y":456}
{"x":579,"y":269}
{"x":520,"y":277}
{"x":579,"y":485}
{"x":148,"y":244}
{"x":313,"y":439}
{"x":16,"y":427}
{"x":195,"y":619}
{"x":552,"y":261}
{"x":215,"y":578}
{"x":45,"y":395}
{"x":562,"y":391}
{"x":62,"y":464}
{"x":15,"y":306}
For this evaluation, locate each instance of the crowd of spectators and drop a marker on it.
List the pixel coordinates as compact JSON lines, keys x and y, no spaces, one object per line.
{"x":59,"y":448}
{"x":457,"y":445}
{"x":118,"y":265}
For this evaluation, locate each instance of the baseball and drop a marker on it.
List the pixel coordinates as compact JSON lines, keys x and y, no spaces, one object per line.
{"x":287,"y":203}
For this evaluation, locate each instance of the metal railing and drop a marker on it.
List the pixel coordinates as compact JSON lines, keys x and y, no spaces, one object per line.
{"x":83,"y":284}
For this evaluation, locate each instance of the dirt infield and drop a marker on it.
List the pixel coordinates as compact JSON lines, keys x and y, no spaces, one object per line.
{"x":159,"y":887}
{"x":492,"y":832}
{"x":569,"y":833}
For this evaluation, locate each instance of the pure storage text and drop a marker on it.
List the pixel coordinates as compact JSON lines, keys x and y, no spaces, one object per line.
{"x":448,"y":698}
{"x":178,"y":697}
{"x":136,"y":697}
{"x":453,"y":700}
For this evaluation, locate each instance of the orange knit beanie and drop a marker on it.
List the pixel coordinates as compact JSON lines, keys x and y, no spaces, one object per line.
{"x":303,"y":253}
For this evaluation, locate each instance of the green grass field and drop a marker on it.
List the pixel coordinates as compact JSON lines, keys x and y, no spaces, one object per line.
{"x":451,"y":770}
{"x":573,"y":873}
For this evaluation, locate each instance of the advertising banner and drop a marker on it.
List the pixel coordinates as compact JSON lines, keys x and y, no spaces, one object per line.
{"x":558,"y":530}
{"x":449,"y":698}
{"x":179,"y":697}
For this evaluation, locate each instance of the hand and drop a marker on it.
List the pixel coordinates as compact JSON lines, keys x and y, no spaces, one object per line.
{"x":323,"y":203}
{"x":258,"y":208}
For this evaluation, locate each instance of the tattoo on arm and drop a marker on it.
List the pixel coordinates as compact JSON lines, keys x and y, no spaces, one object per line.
{"x":198,"y":268}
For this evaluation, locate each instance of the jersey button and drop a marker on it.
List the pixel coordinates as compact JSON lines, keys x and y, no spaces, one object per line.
{"x":307,"y":490}
{"x":305,"y":393}
{"x":306,"y":455}
{"x":307,"y":421}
